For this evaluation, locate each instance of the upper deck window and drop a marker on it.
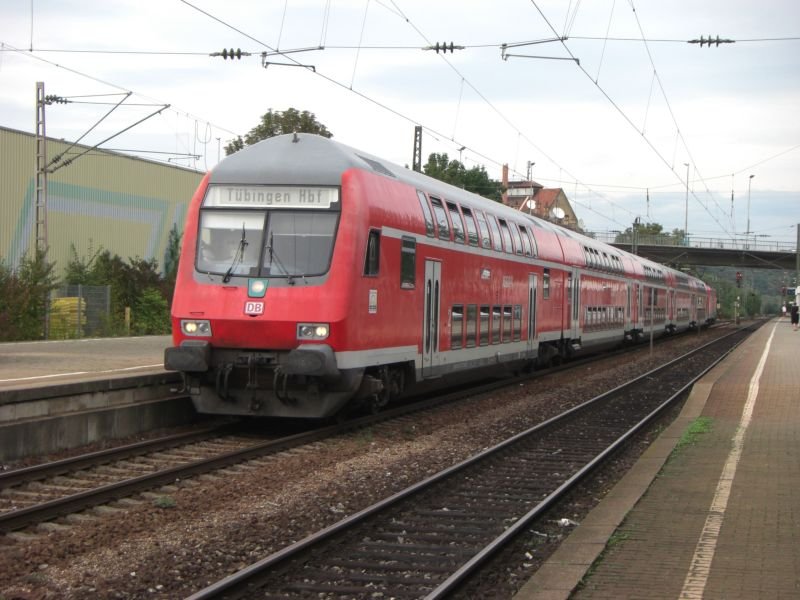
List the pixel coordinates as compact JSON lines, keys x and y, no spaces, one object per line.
{"x":426,"y":213}
{"x":496,"y":243}
{"x":504,"y":231}
{"x":526,"y":242}
{"x":472,"y":230}
{"x":486,"y":240}
{"x":441,"y":218}
{"x":517,"y":239}
{"x":458,"y":224}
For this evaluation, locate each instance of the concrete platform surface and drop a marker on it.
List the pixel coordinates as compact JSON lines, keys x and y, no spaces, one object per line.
{"x":718,"y":517}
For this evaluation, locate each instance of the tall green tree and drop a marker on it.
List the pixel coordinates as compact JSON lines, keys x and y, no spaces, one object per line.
{"x":475,"y":180}
{"x":279,"y":122}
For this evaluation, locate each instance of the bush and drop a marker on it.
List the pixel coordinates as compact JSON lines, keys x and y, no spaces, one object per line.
{"x":150,"y":315}
{"x":24,"y":296}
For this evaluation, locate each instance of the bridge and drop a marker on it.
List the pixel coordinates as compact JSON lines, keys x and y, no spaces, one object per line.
{"x":711,"y":252}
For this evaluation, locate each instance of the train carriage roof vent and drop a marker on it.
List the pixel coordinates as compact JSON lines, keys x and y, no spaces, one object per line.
{"x":376,"y":166}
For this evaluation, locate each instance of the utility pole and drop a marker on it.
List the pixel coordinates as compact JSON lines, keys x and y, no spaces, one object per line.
{"x":686,"y":213}
{"x":41,"y":170}
{"x":416,"y":163}
{"x":41,"y":193}
{"x":747,"y":233}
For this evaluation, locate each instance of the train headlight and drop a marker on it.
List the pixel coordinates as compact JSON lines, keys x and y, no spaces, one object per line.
{"x":256,"y":288}
{"x":312,"y":331}
{"x":196,"y":328}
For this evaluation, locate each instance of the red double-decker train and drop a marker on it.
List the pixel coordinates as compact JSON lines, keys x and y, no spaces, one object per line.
{"x":313,"y":276}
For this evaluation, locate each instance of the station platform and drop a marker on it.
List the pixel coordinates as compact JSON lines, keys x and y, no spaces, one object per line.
{"x":42,"y":364}
{"x":712,"y":509}
{"x":56,"y":395}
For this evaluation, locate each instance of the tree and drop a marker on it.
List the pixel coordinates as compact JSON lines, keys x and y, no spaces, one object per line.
{"x":172,"y":253}
{"x":24,"y":294}
{"x":278,"y":123}
{"x":645,"y":233}
{"x":475,"y":180}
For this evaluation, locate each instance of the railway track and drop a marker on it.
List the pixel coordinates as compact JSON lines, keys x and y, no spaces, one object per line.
{"x":42,"y":493}
{"x":429,"y":539}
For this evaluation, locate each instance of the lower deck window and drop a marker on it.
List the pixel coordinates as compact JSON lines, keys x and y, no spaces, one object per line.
{"x":517,"y":322}
{"x":472,"y":324}
{"x":496,"y":319}
{"x":408,"y":263}
{"x":456,"y":326}
{"x":506,"y":324}
{"x":484,"y":325}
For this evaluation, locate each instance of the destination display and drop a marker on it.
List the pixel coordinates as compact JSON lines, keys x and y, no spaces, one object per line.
{"x":229,"y":196}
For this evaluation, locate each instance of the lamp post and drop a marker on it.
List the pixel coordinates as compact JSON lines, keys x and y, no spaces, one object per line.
{"x":686,"y":213}
{"x":747,"y":233}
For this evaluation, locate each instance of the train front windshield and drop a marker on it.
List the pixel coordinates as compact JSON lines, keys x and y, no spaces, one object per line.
{"x":260,"y":231}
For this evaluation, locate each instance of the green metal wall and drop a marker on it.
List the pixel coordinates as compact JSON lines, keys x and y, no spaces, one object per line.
{"x":102,"y":200}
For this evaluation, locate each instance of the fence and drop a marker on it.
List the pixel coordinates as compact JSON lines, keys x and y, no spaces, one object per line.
{"x":80,"y":311}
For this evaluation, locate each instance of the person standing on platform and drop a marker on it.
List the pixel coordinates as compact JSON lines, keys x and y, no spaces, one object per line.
{"x":795,"y":316}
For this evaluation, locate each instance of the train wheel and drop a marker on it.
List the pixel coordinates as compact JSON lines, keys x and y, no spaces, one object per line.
{"x":393,"y":381}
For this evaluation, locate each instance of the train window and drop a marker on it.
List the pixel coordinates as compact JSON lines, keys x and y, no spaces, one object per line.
{"x":497,"y":313}
{"x":506,"y":233}
{"x":517,"y":238}
{"x":372,"y":260}
{"x":496,"y":243}
{"x":517,"y":322}
{"x":507,"y":322}
{"x":426,"y":213}
{"x":441,"y":218}
{"x":299,"y":243}
{"x":472,"y":230}
{"x":484,"y":325}
{"x":408,"y":262}
{"x":458,"y":223}
{"x":456,"y":326}
{"x":534,"y":248}
{"x":546,"y":284}
{"x":472,"y":324}
{"x":486,"y":240}
{"x":526,"y":242}
{"x":229,"y":242}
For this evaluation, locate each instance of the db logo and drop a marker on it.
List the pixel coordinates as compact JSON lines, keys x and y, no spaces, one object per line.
{"x":253,"y":308}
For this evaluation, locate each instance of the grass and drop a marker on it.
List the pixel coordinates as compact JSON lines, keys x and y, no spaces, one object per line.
{"x":698,"y":427}
{"x":165,"y":502}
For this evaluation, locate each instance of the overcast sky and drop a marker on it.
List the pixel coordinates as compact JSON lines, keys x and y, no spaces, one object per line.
{"x":612,"y":114}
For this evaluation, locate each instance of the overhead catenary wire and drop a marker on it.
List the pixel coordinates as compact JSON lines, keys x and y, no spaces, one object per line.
{"x":568,"y":25}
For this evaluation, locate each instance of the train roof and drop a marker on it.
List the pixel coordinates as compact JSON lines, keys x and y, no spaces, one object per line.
{"x":309,"y":159}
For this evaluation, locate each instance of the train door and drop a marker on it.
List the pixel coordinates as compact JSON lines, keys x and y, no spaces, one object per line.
{"x":533,"y":345}
{"x":573,"y":288}
{"x":629,"y":309}
{"x":670,"y":307}
{"x":430,"y":326}
{"x":640,"y":311}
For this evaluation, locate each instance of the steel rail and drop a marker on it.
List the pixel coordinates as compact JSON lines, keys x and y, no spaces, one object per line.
{"x":75,"y":463}
{"x":238,"y":583}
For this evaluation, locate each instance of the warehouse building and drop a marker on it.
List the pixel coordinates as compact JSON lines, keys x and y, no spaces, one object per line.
{"x":101,"y":200}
